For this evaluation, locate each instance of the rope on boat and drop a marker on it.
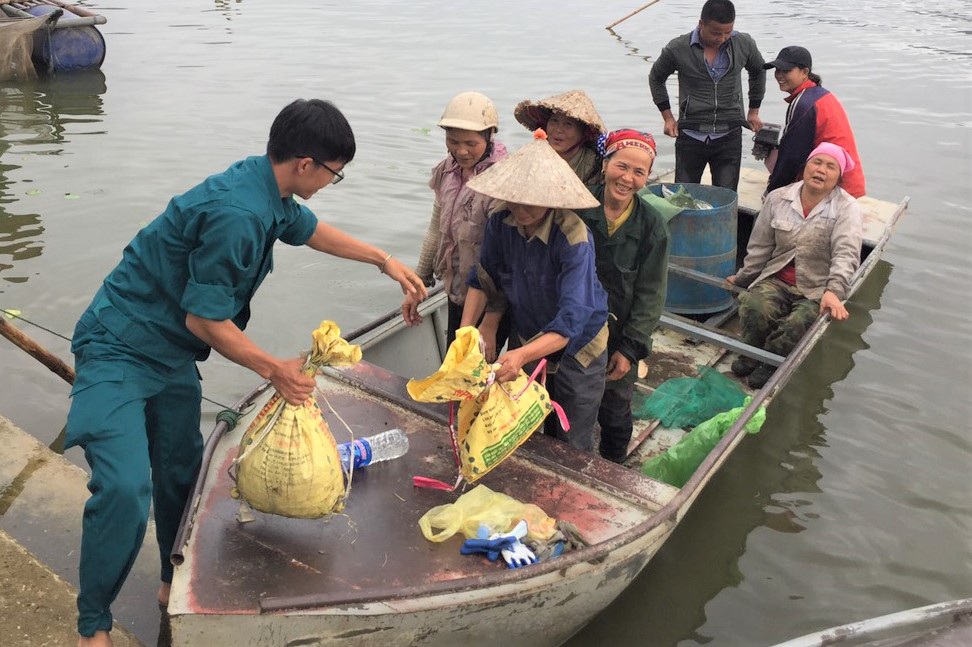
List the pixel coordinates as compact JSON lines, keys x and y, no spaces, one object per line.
{"x":230,"y":417}
{"x":13,"y":314}
{"x":350,"y":472}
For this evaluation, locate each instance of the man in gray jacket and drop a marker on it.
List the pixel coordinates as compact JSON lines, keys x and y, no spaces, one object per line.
{"x":709,"y":61}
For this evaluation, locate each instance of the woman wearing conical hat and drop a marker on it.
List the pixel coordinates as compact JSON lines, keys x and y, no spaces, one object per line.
{"x":572,"y":126}
{"x":537,"y":264}
{"x":631,"y":246}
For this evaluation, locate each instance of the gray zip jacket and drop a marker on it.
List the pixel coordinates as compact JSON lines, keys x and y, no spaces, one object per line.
{"x":703,"y":104}
{"x":825,"y":246}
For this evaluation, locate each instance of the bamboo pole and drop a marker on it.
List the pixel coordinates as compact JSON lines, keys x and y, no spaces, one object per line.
{"x":37,"y":351}
{"x":639,"y":9}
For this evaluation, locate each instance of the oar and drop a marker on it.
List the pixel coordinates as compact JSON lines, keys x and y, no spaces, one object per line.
{"x":642,"y":8}
{"x":37,"y":351}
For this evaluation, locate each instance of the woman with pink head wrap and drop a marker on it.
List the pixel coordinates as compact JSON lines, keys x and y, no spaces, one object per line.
{"x":804,"y":249}
{"x":843,"y":158}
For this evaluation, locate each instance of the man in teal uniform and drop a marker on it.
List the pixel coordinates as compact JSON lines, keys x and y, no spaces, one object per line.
{"x":183,"y":287}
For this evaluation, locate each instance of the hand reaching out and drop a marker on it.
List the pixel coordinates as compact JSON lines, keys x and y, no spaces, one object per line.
{"x":406,"y":277}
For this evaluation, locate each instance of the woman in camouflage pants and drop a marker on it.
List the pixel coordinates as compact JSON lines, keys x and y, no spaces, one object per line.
{"x":804,"y":249}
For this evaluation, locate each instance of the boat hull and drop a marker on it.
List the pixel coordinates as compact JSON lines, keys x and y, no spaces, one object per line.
{"x":545,"y":610}
{"x":369,"y":574}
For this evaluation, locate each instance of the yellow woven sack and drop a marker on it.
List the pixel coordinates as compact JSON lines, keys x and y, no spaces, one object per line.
{"x":494,"y":419}
{"x":481,"y":505}
{"x":288,"y":463}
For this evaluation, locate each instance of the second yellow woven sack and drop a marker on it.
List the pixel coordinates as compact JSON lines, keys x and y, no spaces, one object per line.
{"x":494,"y":419}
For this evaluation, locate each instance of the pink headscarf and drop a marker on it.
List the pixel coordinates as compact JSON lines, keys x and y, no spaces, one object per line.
{"x":833,"y":150}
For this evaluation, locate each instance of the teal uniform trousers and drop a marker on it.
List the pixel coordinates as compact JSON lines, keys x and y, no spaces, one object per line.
{"x":138,"y":423}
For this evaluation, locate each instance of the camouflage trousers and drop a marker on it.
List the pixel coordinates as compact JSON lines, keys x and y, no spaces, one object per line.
{"x":775,"y":315}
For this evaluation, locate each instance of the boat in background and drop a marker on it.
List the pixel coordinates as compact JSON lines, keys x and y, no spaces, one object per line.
{"x":71,"y":41}
{"x":368,"y":576}
{"x":948,"y":624}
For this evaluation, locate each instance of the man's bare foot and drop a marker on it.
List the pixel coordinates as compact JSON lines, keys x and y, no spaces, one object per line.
{"x":164,"y":594}
{"x":101,"y":638}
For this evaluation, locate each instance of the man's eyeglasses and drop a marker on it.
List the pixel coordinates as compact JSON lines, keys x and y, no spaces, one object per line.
{"x":338,"y":175}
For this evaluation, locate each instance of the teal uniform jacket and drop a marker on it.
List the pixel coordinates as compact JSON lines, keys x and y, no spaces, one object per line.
{"x":206,"y":254}
{"x":136,"y":398}
{"x":632,"y":265}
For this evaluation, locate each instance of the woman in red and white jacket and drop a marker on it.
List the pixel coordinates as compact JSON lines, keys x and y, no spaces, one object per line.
{"x":814,"y":116}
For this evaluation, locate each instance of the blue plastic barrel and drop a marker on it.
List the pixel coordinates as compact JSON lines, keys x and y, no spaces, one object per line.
{"x":67,"y":48}
{"x":702,"y":240}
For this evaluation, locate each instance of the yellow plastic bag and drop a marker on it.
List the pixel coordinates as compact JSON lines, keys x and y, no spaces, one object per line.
{"x":288,"y":462}
{"x":494,"y":419}
{"x":481,"y":505}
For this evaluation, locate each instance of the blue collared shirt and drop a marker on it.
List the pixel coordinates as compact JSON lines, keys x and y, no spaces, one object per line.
{"x":549,"y":280}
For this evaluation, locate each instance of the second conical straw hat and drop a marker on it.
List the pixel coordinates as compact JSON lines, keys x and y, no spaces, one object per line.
{"x":573,"y":103}
{"x":535,"y":175}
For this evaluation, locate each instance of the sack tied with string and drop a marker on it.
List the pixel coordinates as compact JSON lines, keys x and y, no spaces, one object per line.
{"x":288,"y":463}
{"x":493,"y":419}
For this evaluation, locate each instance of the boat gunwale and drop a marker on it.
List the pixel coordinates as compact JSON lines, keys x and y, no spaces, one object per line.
{"x":669,"y":512}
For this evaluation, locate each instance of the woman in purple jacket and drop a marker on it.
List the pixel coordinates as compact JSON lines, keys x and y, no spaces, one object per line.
{"x":455,"y":232}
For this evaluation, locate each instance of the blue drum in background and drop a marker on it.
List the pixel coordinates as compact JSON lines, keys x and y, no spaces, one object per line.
{"x":703,"y":240}
{"x":66,"y":48}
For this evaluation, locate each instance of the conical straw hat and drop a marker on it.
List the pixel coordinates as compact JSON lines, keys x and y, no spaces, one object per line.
{"x":535,"y":175}
{"x":573,"y":103}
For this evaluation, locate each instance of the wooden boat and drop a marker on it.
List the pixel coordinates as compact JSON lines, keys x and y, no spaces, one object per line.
{"x":948,"y":624}
{"x":371,"y":578}
{"x":70,"y":42}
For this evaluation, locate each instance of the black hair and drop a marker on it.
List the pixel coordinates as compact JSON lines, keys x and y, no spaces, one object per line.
{"x":720,"y":11}
{"x":813,"y":76}
{"x":488,"y":134}
{"x":311,"y":128}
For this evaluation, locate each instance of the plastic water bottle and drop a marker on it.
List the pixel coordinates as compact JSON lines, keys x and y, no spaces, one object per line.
{"x":373,"y":449}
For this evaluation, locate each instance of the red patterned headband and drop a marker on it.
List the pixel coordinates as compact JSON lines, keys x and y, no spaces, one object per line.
{"x":627,"y":138}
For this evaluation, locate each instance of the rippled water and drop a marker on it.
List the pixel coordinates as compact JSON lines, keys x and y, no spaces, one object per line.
{"x":853,"y":501}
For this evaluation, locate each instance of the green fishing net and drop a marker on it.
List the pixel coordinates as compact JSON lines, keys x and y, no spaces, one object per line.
{"x":677,"y":464}
{"x":687,"y":401}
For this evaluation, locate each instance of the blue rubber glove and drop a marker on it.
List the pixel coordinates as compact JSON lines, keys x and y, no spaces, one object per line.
{"x":493,"y":546}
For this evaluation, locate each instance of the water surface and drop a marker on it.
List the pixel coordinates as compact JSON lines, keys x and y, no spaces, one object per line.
{"x":853,"y":501}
